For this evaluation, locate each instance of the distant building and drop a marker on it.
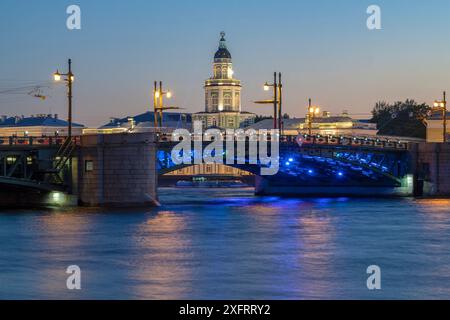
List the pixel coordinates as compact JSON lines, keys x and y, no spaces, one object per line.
{"x":435,"y":127}
{"x":323,"y":125}
{"x":36,"y":126}
{"x":145,"y":121}
{"x":223,"y":95}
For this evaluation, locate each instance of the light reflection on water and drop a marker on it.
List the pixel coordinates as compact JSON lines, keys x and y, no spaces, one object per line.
{"x":228,"y":244}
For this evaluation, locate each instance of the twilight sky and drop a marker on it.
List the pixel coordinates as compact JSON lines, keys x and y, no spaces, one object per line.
{"x":322,"y":47}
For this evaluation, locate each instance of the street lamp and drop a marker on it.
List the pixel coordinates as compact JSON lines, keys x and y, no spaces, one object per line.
{"x":441,"y":105}
{"x":69,"y":78}
{"x":158,"y":103}
{"x":313,"y":111}
{"x":276,"y":100}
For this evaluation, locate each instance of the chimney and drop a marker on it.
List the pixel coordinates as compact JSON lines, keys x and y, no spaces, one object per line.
{"x":56,"y":116}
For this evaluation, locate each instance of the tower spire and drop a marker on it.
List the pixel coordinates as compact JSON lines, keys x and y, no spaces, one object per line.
{"x":222,"y":44}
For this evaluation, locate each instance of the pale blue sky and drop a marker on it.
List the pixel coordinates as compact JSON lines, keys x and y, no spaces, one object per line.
{"x":322,"y":47}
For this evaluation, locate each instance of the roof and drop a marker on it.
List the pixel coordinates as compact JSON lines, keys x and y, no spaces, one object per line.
{"x":294,"y":124}
{"x":170,"y":119}
{"x":37,"y":121}
{"x":223,"y":52}
{"x":438,"y":116}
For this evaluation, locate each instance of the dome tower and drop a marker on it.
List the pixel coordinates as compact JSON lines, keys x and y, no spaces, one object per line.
{"x":222,"y":91}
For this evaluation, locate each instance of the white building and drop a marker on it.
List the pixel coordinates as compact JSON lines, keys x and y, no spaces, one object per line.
{"x":223,"y":95}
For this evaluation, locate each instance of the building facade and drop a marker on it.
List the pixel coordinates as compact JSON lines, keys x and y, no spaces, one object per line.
{"x":325,"y":124}
{"x":435,"y":127}
{"x":223,"y":95}
{"x":41,"y":125}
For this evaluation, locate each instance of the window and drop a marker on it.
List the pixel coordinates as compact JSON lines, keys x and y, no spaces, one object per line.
{"x":88,"y":166}
{"x":224,"y":72}
{"x":217,"y":72}
{"x":237,"y":100}
{"x":215,"y":100}
{"x":206,"y":100}
{"x":227,"y":100}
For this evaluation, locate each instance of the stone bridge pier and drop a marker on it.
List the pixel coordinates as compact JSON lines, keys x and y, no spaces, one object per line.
{"x":118,"y":170}
{"x":431,"y":165}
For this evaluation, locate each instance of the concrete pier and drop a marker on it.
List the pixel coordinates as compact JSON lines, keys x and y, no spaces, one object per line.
{"x":118,"y":170}
{"x":431,"y":167}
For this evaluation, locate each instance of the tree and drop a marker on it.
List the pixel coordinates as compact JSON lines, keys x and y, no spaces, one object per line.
{"x":404,"y":119}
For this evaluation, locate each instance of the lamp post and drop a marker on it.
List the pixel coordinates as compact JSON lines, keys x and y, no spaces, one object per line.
{"x":158,"y":103}
{"x":311,"y":114}
{"x":68,"y":78}
{"x":276,"y":101}
{"x":441,"y":105}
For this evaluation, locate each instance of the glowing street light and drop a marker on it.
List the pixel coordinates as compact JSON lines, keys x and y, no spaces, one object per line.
{"x":57,"y":76}
{"x":277,"y":100}
{"x":441,"y":106}
{"x":69,"y":79}
{"x":158,"y":103}
{"x":313,"y":111}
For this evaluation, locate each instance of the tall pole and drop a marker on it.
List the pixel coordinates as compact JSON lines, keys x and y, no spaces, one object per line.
{"x":69,"y":96}
{"x":155,"y":105}
{"x":160,"y":104}
{"x":275,"y":100}
{"x":444,"y":116}
{"x":280,"y":117}
{"x":309,"y":117}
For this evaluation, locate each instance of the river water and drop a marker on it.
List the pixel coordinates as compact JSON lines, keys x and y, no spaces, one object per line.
{"x":228,"y":244}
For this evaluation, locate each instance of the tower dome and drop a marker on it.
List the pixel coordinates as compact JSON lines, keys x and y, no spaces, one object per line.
{"x":223,"y":52}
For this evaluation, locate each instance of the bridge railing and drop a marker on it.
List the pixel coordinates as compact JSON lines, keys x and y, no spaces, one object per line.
{"x":304,"y":140}
{"x":35,"y":141}
{"x":378,"y":143}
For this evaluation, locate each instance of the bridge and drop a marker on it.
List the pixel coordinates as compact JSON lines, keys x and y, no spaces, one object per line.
{"x":122,"y":169}
{"x":321,"y":165}
{"x":31,"y":167}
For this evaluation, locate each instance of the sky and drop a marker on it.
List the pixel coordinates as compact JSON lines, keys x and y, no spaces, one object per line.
{"x":323,"y":48}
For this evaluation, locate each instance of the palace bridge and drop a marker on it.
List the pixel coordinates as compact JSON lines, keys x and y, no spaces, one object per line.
{"x":122,"y":169}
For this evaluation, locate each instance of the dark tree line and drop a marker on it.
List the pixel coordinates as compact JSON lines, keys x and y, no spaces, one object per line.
{"x":404,"y":119}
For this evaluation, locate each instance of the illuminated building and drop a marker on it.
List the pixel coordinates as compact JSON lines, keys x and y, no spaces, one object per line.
{"x":435,"y":127}
{"x":223,"y":95}
{"x":323,"y":125}
{"x":36,"y":126}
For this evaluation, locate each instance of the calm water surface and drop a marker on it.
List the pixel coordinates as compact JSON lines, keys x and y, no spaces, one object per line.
{"x":228,"y":244}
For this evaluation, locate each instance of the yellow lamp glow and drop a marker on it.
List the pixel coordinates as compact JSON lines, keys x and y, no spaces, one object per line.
{"x":57,"y":76}
{"x":157,"y":94}
{"x":266,"y":87}
{"x":169,"y":94}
